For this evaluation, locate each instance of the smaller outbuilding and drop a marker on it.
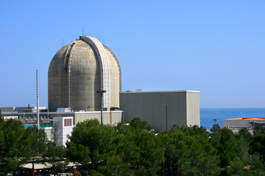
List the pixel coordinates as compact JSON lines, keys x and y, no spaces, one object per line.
{"x":247,"y":122}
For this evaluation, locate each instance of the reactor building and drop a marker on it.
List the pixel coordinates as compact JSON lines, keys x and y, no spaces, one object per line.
{"x":80,"y":69}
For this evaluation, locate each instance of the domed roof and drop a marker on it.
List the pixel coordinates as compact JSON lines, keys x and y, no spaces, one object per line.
{"x":78,"y":70}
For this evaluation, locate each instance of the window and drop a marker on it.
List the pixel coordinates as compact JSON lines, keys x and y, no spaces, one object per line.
{"x":67,"y":122}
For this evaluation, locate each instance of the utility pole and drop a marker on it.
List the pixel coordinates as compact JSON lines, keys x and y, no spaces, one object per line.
{"x":37,"y":91}
{"x":214,"y":121}
{"x":101,"y":92}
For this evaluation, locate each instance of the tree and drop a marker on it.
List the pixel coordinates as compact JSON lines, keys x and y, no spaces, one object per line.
{"x":140,"y":148}
{"x":189,"y":150}
{"x":137,"y":123}
{"x":224,"y":141}
{"x":14,"y":145}
{"x":116,"y":167}
{"x":98,"y":138}
{"x":243,"y":132}
{"x":55,"y":157}
{"x":236,"y":168}
{"x":126,"y":147}
{"x":151,"y":152}
{"x":259,"y":129}
{"x":257,"y":145}
{"x":38,"y":141}
{"x":80,"y":154}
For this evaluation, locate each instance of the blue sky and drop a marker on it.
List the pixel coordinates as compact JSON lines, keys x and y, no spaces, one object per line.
{"x":215,"y":47}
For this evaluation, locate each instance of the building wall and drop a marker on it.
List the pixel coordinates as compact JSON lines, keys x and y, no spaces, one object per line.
{"x":193,"y":108}
{"x":230,"y":123}
{"x":116,"y":116}
{"x":48,"y":131}
{"x":162,"y":109}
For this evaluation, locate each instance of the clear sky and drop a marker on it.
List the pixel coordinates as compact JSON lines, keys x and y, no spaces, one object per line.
{"x":215,"y":47}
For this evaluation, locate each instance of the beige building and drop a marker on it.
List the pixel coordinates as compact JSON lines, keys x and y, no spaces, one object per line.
{"x":78,"y":70}
{"x":243,"y":122}
{"x":162,"y":109}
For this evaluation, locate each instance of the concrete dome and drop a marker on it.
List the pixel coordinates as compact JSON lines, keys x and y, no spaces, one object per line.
{"x":78,"y":70}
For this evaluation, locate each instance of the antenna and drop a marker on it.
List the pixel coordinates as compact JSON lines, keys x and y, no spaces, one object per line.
{"x":103,"y":42}
{"x":37,"y":91}
{"x":82,"y":30}
{"x":62,"y":43}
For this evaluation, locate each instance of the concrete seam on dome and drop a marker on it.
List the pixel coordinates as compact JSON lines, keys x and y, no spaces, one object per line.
{"x":118,"y":65}
{"x":69,"y":72}
{"x":66,"y":57}
{"x":104,"y":67}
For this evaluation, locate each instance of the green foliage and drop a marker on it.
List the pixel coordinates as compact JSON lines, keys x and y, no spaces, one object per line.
{"x":259,"y":129}
{"x":116,"y":167}
{"x":257,"y":145}
{"x":55,"y":157}
{"x":136,"y":149}
{"x":14,"y":145}
{"x":137,"y":123}
{"x":96,"y":141}
{"x":80,"y":154}
{"x":188,"y":152}
{"x":236,"y":167}
{"x":224,"y":140}
{"x":243,"y":132}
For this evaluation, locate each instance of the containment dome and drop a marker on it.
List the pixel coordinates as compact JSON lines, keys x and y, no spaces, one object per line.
{"x":78,"y":70}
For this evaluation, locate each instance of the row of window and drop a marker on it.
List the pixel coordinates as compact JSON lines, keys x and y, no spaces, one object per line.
{"x":25,"y":117}
{"x":67,"y":122}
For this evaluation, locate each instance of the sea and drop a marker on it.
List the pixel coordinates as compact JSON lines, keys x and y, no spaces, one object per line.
{"x":209,"y":114}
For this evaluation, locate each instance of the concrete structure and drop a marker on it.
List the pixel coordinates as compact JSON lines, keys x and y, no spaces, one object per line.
{"x":247,"y":122}
{"x":162,"y":109}
{"x":62,"y":126}
{"x":21,"y":109}
{"x":78,"y":70}
{"x":109,"y":117}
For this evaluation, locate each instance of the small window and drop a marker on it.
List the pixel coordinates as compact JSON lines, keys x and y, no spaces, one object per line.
{"x":67,"y":122}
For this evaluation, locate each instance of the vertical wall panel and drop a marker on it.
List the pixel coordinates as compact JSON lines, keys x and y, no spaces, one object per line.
{"x":130,"y":103}
{"x":165,"y":115}
{"x":123,"y":104}
{"x":182,"y":113}
{"x":148,"y":108}
{"x":174,"y":117}
{"x":139,"y":105}
{"x":157,"y":111}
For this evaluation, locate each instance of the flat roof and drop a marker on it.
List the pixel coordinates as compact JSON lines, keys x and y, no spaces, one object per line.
{"x":163,"y":91}
{"x":248,"y":118}
{"x":55,"y":113}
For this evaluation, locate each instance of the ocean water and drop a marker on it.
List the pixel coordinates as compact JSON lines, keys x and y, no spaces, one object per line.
{"x":208,"y":114}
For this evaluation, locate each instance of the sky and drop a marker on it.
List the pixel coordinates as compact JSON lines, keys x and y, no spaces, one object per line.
{"x":215,"y":47}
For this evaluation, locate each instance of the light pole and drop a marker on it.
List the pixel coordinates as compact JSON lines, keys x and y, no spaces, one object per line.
{"x":101,"y":91}
{"x":214,"y":121}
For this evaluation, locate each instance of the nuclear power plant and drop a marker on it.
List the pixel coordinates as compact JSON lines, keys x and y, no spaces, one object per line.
{"x":80,"y":69}
{"x":83,"y":71}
